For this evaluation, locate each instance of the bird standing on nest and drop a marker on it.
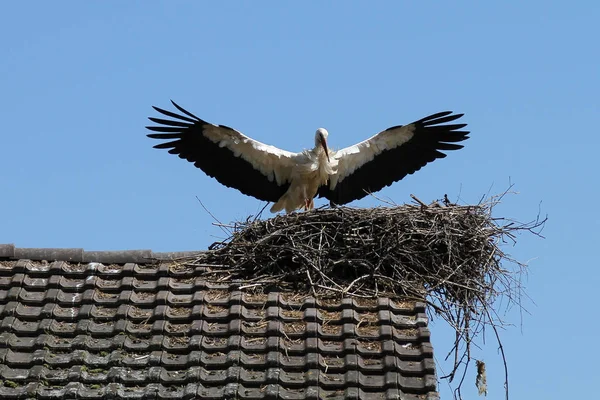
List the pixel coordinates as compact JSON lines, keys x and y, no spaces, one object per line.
{"x":292,"y":180}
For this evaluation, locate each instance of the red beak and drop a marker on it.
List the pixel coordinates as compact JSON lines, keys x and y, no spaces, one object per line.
{"x":324,"y":144}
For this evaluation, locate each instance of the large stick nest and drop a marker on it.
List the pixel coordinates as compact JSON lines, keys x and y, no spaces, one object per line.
{"x":445,"y":251}
{"x":407,"y":250}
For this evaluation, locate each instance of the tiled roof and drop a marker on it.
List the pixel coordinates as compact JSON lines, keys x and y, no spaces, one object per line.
{"x":88,"y":330}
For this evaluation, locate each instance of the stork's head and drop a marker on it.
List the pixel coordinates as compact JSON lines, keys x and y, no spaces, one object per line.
{"x":321,"y":140}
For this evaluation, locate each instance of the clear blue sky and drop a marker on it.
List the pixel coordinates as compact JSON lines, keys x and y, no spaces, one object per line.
{"x":78,"y":79}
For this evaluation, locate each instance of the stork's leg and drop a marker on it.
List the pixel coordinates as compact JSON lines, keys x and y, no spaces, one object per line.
{"x":306,"y":201}
{"x":309,"y":204}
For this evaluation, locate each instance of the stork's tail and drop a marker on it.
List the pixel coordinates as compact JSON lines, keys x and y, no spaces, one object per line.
{"x":281,"y":204}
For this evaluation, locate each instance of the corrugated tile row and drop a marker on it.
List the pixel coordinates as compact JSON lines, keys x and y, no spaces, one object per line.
{"x":71,"y":330}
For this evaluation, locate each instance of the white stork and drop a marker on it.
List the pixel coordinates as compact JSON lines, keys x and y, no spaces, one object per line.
{"x":292,"y":180}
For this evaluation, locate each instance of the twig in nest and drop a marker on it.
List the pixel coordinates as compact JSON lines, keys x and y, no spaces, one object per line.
{"x":218,"y":223}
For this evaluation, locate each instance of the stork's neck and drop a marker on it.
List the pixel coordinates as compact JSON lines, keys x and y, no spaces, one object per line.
{"x":320,"y":155}
{"x":319,"y":150}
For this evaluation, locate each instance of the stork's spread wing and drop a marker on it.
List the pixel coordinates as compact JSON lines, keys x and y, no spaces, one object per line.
{"x":235,"y":160}
{"x":391,"y":155}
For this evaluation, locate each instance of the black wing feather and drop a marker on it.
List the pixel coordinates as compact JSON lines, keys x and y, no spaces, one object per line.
{"x":216,"y":161}
{"x":391,"y":165}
